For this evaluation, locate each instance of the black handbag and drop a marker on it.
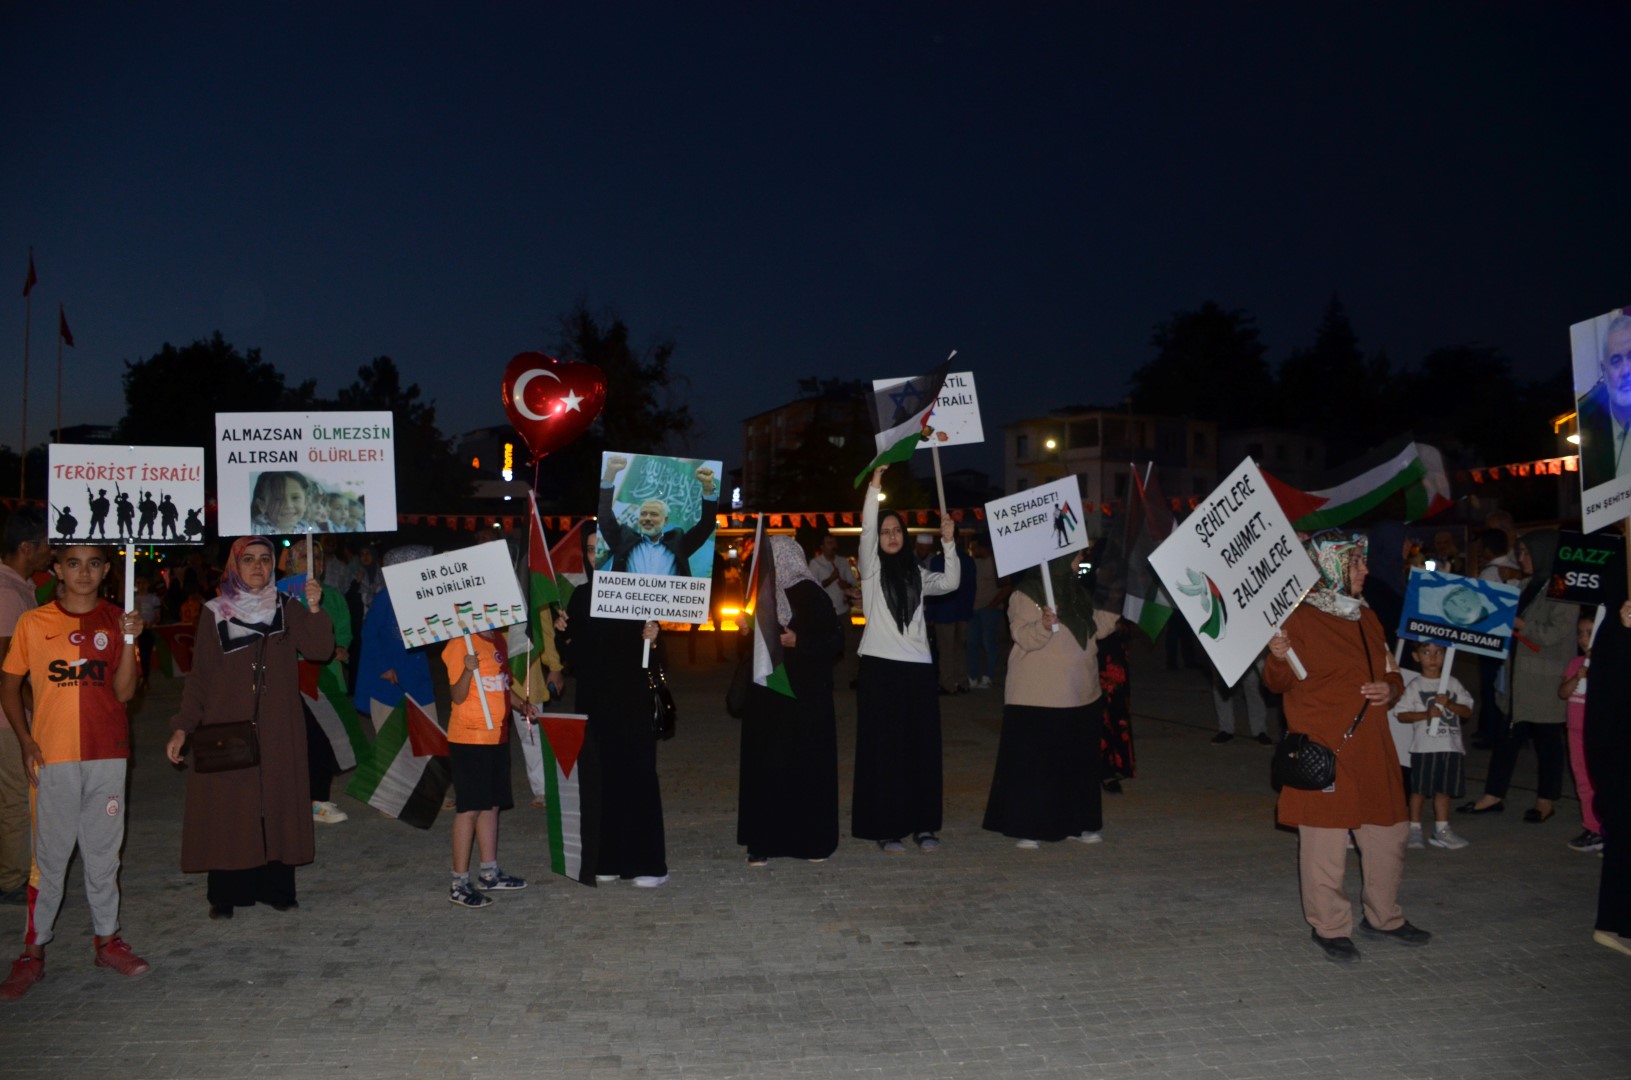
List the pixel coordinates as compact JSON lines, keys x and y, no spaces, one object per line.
{"x":736,"y":694}
{"x":1302,"y":763}
{"x":218,"y":748}
{"x":663,"y":713}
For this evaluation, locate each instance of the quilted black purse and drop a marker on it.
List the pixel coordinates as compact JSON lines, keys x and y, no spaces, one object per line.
{"x":1302,"y":763}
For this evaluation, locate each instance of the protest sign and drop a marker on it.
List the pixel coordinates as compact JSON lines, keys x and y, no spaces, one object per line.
{"x":461,"y":592}
{"x":956,"y":410}
{"x":1601,"y":350}
{"x":150,"y":494}
{"x":1236,"y":569}
{"x":1463,"y":612}
{"x":1038,"y":524}
{"x":1588,"y":569}
{"x":654,"y":546}
{"x":288,"y":472}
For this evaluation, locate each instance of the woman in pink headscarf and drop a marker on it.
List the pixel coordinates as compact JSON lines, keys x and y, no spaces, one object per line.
{"x":249,"y":828}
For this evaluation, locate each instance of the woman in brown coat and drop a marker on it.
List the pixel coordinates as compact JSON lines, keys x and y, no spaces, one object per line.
{"x":1340,"y":644}
{"x":249,"y":828}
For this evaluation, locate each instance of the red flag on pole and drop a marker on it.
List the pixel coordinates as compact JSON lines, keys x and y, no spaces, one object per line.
{"x":33,"y":279}
{"x":62,"y":328}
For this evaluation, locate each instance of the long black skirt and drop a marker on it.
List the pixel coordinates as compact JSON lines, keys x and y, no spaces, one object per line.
{"x":1046,"y":783}
{"x":269,"y":883}
{"x":897,"y":750}
{"x":787,"y":804}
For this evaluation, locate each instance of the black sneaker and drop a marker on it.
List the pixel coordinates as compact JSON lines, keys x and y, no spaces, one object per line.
{"x":1338,"y":950}
{"x":1222,"y":737}
{"x":1404,"y":933}
{"x":1263,"y":739}
{"x":1587,"y":841}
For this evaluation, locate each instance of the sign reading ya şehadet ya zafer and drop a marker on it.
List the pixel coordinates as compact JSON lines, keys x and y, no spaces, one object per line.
{"x":461,"y":592}
{"x":1236,"y":569}
{"x":1038,"y":524}
{"x":1470,"y":613}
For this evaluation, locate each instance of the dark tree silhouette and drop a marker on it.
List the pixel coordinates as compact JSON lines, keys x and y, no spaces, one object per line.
{"x":428,"y":476}
{"x":1209,"y":364}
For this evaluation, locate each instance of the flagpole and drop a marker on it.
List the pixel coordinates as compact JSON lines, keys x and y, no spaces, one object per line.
{"x":28,"y":324}
{"x":61,"y":322}
{"x":475,"y":679}
{"x":1047,"y":595}
{"x":939,"y":481}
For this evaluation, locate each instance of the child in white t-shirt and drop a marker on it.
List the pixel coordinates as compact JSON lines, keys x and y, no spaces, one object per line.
{"x":1436,"y":749}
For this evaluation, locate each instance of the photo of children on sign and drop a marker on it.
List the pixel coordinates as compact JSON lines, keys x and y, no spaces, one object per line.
{"x":1601,"y":349}
{"x":654,"y":542}
{"x":284,"y":501}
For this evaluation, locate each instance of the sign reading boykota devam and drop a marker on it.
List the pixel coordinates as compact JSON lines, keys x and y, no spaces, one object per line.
{"x":1235,"y":569}
{"x":1461,"y":612}
{"x":956,"y":410}
{"x":461,"y":592}
{"x":1038,"y":524}
{"x":102,"y":494}
{"x":654,"y":541}
{"x":285,"y":473}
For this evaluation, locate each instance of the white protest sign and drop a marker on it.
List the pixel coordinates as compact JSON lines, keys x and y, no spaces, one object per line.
{"x":151,"y":494}
{"x":655,"y":537}
{"x":1236,"y":569}
{"x":288,"y":472}
{"x":1038,"y":524}
{"x":956,"y":411}
{"x":461,"y":592}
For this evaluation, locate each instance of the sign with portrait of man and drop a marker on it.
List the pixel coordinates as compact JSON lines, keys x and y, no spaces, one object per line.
{"x":654,"y":540}
{"x":1470,"y":613}
{"x":1601,"y":349}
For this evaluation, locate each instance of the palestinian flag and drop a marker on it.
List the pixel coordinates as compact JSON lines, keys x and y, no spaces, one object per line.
{"x":900,"y":417}
{"x":1416,"y":474}
{"x":322,"y":692}
{"x":173,"y":648}
{"x":407,"y":774}
{"x":542,"y":588}
{"x":566,"y":561}
{"x":1149,"y":520}
{"x":769,"y":662}
{"x":572,"y":795}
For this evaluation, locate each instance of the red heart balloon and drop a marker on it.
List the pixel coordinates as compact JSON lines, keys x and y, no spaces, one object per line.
{"x":551,"y":402}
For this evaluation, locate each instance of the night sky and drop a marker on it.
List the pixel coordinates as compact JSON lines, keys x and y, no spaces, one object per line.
{"x":791,"y":189}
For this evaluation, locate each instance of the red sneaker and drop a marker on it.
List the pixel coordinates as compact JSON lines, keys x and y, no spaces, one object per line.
{"x":26,"y":970}
{"x":115,"y":954}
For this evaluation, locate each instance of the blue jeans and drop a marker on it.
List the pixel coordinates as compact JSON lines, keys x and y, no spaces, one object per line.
{"x":982,"y":644}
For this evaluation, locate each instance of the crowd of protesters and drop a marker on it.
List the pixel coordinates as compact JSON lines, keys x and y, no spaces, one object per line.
{"x":936,"y":621}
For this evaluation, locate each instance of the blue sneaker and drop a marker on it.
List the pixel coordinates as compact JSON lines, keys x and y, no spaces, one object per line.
{"x":498,"y":881}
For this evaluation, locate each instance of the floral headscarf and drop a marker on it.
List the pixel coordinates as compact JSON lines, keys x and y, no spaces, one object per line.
{"x":1333,"y":551}
{"x":790,"y":569}
{"x":242,"y":612}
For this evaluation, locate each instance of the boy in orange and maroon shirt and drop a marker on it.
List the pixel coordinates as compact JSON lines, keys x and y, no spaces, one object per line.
{"x":72,"y":652}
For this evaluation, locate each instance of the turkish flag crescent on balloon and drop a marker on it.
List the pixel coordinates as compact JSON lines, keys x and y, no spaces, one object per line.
{"x":551,"y":402}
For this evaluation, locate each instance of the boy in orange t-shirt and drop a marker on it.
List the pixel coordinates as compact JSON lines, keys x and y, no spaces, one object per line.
{"x":479,"y":754}
{"x":75,"y":747}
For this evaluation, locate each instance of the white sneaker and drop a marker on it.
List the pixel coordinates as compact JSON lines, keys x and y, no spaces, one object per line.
{"x":983,"y":683}
{"x":1415,"y":842}
{"x":1446,"y":838}
{"x":326,"y":813}
{"x":645,"y":881}
{"x":1028,"y":845}
{"x":1087,"y":838}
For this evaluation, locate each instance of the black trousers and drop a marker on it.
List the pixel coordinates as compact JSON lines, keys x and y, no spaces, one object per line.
{"x":1548,"y":740}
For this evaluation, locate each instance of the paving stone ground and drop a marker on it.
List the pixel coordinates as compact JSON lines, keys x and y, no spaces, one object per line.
{"x":1175,"y":949}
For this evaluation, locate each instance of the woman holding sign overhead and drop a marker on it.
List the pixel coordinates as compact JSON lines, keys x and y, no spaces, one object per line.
{"x":897,"y":703}
{"x":1046,"y":782}
{"x":1340,"y":699}
{"x":248,"y":827}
